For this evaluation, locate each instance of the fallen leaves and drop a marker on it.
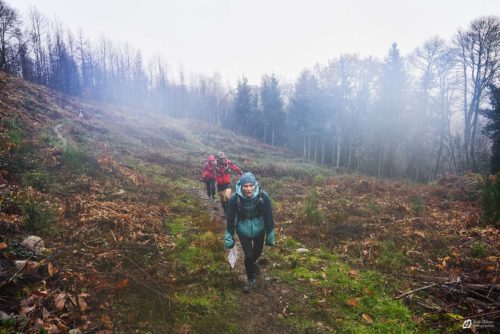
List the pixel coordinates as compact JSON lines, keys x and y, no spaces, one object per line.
{"x":367,"y":318}
{"x":122,"y":284}
{"x":52,"y":270}
{"x":353,"y":302}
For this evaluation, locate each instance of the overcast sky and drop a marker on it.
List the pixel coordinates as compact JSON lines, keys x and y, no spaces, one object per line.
{"x":256,"y":37}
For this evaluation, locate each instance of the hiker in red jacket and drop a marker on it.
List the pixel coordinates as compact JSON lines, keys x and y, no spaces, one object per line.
{"x":208,"y":176}
{"x":224,"y":178}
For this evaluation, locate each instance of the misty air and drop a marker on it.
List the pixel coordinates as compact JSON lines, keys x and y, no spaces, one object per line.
{"x":224,"y":167}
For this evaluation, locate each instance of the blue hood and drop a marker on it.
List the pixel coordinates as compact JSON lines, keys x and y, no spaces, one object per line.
{"x":239,"y":191}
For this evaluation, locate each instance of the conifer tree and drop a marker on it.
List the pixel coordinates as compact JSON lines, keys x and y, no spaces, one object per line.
{"x":272,"y":108}
{"x":492,"y":129}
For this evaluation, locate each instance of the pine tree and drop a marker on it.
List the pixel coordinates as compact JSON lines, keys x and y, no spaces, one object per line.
{"x":272,"y":108}
{"x":492,"y":129}
{"x":242,"y":107}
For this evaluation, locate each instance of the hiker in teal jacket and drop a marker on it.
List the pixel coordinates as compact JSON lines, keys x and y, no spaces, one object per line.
{"x":250,"y":210}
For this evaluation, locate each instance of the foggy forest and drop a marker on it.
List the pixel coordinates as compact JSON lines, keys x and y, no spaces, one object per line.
{"x":105,"y":147}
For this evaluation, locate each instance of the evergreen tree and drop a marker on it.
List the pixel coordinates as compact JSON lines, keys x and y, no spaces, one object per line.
{"x":272,"y":109}
{"x":242,"y":107}
{"x":304,"y":105}
{"x":389,"y":121}
{"x":492,"y":129}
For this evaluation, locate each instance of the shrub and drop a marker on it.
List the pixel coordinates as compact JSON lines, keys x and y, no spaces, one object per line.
{"x":491,"y":200}
{"x":39,"y":179}
{"x":478,"y":250}
{"x":312,"y":214}
{"x":79,"y":162}
{"x":390,"y":257}
{"x":38,"y":216}
{"x":418,"y":205}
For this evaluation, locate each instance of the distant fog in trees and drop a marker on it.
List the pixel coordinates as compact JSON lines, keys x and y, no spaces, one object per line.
{"x":416,"y":117}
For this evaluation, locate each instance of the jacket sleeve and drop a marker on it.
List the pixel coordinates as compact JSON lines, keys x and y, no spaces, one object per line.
{"x":268,"y":214}
{"x":233,"y":166}
{"x":231,"y":214}
{"x":204,"y":170}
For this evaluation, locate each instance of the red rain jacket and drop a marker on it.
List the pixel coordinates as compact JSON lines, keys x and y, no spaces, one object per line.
{"x":222,"y":171}
{"x":209,"y":171}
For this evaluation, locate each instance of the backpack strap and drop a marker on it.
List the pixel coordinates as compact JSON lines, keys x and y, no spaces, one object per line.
{"x":258,"y":206}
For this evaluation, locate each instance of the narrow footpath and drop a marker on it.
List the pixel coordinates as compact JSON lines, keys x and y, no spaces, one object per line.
{"x":260,"y":309}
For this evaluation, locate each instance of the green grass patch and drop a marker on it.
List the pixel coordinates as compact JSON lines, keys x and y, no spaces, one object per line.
{"x":337,"y":298}
{"x":390,"y":257}
{"x":78,"y":161}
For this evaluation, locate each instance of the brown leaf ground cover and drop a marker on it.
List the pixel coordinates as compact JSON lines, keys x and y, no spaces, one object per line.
{"x":132,"y":245}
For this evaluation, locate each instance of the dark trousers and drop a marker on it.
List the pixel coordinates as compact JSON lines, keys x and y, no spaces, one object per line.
{"x":210,"y":188}
{"x":252,"y":247}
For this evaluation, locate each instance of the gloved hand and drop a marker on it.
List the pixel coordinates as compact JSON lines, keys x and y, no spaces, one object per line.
{"x":228,"y":240}
{"x":270,"y":239}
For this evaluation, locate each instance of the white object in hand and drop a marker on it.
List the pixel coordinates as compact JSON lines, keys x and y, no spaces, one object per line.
{"x":232,"y":257}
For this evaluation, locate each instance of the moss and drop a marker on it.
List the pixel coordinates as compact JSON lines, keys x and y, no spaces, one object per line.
{"x":328,"y":285}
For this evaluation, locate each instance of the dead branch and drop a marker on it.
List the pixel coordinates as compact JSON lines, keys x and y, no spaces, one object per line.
{"x":415,"y":290}
{"x":17,"y":273}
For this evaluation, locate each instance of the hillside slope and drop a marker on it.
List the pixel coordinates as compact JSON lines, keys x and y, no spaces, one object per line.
{"x":132,"y":244}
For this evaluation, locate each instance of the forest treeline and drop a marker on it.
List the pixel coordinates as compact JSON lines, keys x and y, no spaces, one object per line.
{"x":420,"y":116}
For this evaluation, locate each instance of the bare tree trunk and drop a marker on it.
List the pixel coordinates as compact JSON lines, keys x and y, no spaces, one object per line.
{"x":380,"y":161}
{"x":338,"y":148}
{"x":305,"y":147}
{"x":473,"y":137}
{"x":322,"y":151}
{"x":265,"y":131}
{"x":350,"y":154}
{"x":316,"y":149}
{"x":333,"y":151}
{"x":438,"y":159}
{"x":309,"y":149}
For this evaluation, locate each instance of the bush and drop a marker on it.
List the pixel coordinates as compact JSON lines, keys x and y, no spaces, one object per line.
{"x":312,"y":214}
{"x":390,"y":257}
{"x":39,"y":179}
{"x":38,"y":216}
{"x":478,"y":250}
{"x":491,"y":200}
{"x":79,"y":162}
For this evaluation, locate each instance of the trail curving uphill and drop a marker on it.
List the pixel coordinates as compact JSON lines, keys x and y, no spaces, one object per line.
{"x":260,"y":309}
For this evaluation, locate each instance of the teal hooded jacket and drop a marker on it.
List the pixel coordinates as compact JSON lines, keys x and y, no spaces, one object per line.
{"x":251,"y":216}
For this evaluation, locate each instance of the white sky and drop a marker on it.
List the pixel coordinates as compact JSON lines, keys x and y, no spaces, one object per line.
{"x":256,"y":37}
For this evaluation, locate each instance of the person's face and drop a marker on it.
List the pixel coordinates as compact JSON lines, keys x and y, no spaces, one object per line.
{"x":211,"y":162}
{"x":248,"y":189}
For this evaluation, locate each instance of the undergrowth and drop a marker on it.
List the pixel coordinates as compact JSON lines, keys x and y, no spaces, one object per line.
{"x":337,"y":298}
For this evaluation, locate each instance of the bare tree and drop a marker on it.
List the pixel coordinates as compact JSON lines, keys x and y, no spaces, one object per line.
{"x":9,"y":33}
{"x":478,"y":53}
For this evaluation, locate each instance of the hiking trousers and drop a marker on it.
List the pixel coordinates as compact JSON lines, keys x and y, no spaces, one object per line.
{"x":210,"y":184}
{"x":252,"y":247}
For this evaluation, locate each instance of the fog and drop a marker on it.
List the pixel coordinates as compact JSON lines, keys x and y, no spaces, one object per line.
{"x":414,"y":114}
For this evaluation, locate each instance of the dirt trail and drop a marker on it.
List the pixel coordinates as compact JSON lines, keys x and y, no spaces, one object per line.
{"x":59,"y":135}
{"x":260,"y":309}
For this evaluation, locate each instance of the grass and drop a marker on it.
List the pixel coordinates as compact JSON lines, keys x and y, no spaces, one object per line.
{"x":339,"y":299}
{"x":201,"y":298}
{"x":390,"y":258}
